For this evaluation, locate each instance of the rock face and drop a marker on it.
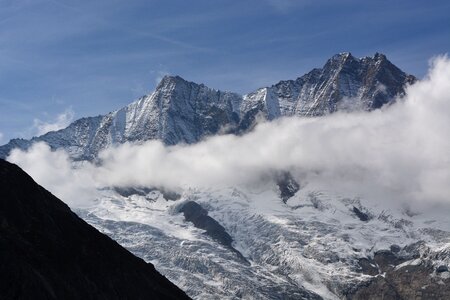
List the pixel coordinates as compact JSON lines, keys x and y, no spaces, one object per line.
{"x":179,"y":111}
{"x":47,"y":252}
{"x":195,"y":213}
{"x":409,"y":282}
{"x":287,"y":186}
{"x":406,"y":274}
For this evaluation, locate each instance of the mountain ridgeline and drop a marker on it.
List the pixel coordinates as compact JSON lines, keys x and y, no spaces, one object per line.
{"x":179,"y":111}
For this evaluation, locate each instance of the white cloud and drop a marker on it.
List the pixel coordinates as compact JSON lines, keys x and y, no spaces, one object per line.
{"x":1,"y":137}
{"x":62,"y":120}
{"x":398,"y":153}
{"x":54,"y":171}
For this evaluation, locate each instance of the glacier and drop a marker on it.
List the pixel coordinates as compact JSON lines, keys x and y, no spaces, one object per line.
{"x":312,"y":247}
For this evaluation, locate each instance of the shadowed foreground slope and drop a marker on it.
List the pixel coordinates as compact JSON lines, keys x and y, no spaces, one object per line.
{"x":48,"y":252}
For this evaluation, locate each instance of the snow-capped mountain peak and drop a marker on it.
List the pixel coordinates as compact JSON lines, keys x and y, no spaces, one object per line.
{"x":180,"y":111}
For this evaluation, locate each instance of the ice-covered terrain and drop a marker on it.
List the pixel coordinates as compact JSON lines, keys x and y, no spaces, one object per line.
{"x":313,"y":246}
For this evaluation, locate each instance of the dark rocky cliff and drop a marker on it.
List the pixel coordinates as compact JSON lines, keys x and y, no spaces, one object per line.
{"x":48,"y":252}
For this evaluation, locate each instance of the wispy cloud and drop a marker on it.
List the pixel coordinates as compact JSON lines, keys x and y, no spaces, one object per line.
{"x":1,"y":137}
{"x":61,"y":121}
{"x":159,"y":75}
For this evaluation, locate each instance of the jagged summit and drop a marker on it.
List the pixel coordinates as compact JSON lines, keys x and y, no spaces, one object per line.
{"x":350,"y":56}
{"x":379,"y":56}
{"x":180,"y":111}
{"x":342,"y":57}
{"x":176,"y":82}
{"x":172,"y":80}
{"x":343,"y":83}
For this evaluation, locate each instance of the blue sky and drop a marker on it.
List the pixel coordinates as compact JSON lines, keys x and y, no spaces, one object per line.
{"x":62,"y":59}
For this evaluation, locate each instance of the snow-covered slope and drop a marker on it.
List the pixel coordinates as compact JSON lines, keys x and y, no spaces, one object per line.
{"x":179,"y":111}
{"x":316,"y":245}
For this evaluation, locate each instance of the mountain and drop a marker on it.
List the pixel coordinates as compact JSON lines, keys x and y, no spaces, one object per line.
{"x":344,"y":83}
{"x":283,"y":237}
{"x":48,"y":252}
{"x":179,"y":111}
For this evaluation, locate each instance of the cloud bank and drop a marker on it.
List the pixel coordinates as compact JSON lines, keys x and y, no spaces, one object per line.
{"x":55,"y":171}
{"x":401,"y":152}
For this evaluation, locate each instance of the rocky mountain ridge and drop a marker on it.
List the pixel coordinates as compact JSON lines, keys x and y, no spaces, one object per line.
{"x":179,"y":111}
